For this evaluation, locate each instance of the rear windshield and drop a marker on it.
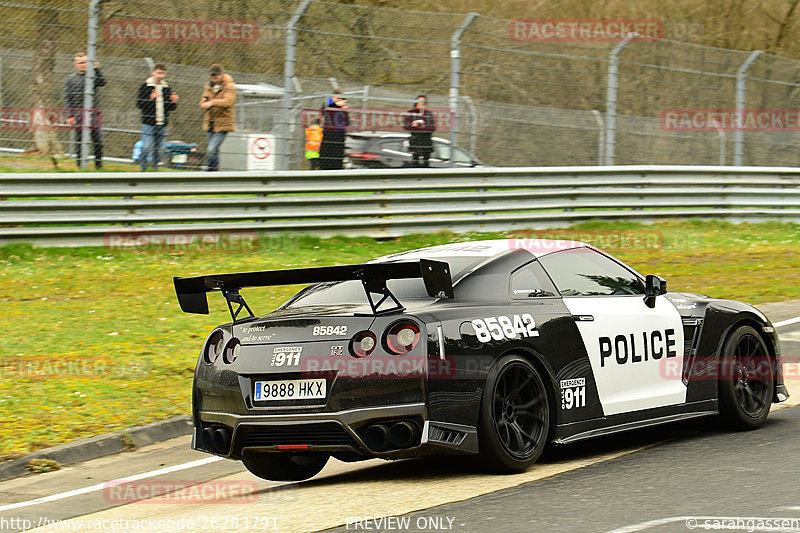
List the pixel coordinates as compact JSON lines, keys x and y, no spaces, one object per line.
{"x":352,"y":292}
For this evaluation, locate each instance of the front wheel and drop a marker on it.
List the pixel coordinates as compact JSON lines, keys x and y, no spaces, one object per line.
{"x":515,"y":416}
{"x":284,"y":467}
{"x":745,"y":379}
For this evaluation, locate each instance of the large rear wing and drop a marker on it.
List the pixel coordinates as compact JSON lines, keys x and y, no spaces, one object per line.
{"x":435,"y":274}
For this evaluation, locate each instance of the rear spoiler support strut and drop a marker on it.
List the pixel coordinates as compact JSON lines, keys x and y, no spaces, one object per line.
{"x":378,"y":286}
{"x":233,"y":296}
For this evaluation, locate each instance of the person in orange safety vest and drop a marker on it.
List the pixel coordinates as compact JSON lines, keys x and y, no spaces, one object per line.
{"x":313,"y":142}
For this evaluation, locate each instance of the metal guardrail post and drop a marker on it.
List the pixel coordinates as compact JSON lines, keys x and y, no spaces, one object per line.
{"x":611,"y":96}
{"x":88,"y":84}
{"x":288,"y":87}
{"x":741,"y":87}
{"x":455,"y":74}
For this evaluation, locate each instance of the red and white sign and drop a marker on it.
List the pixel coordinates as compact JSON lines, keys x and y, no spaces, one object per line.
{"x":124,"y":30}
{"x":261,"y":151}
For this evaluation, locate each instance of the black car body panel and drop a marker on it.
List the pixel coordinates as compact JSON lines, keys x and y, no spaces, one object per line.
{"x":392,"y":150}
{"x":609,"y":361}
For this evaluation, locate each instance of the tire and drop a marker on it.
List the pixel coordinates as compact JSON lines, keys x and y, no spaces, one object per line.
{"x":514,"y":417}
{"x":285,"y":467}
{"x":745,"y":379}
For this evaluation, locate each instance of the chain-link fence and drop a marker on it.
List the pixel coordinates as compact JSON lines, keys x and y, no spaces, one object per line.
{"x":503,"y":90}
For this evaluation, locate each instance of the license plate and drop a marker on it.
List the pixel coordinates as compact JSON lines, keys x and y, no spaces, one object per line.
{"x":294,"y":389}
{"x":180,"y":158}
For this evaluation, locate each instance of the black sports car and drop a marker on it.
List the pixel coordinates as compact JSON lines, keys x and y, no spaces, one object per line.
{"x":493,"y":348}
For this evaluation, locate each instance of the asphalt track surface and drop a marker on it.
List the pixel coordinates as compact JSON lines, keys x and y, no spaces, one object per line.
{"x":672,"y":478}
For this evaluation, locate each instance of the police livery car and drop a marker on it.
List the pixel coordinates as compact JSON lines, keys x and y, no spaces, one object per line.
{"x":493,"y":348}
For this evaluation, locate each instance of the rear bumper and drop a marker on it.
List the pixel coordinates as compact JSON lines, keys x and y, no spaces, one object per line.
{"x":342,"y":432}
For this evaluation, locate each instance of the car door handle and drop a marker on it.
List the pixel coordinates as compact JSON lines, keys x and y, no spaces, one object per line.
{"x":583,"y":318}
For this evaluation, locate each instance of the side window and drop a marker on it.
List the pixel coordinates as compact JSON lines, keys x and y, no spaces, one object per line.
{"x":393,"y":144}
{"x":441,"y":151}
{"x":585,"y":272}
{"x":530,"y":281}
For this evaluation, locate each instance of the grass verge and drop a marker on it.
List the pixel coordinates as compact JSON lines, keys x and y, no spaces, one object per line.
{"x":95,"y":340}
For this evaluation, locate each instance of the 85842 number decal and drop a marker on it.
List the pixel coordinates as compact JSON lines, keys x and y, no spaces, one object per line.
{"x":329,"y":330}
{"x":503,"y":327}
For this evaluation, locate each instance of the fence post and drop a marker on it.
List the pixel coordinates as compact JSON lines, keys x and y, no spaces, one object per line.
{"x":473,"y":124}
{"x":741,"y":85}
{"x":611,"y":96}
{"x":601,"y":136}
{"x":88,"y":84}
{"x":721,"y":134}
{"x":455,"y":74}
{"x":288,"y":87}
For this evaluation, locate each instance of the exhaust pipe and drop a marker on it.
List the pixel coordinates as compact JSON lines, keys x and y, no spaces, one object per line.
{"x":222,"y":440}
{"x":207,"y":439}
{"x":377,"y":437}
{"x":404,"y":434}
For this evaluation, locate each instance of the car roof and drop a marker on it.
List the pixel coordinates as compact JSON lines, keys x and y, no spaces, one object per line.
{"x":489,"y":248}
{"x":388,"y":135}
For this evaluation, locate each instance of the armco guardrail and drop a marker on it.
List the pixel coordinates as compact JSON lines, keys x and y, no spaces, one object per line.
{"x":85,"y":208}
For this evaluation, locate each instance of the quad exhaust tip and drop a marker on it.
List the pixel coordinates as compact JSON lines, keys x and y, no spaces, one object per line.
{"x":222,"y":440}
{"x":377,"y":437}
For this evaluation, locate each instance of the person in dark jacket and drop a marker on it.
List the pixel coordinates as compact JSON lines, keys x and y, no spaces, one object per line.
{"x":421,"y":123}
{"x":335,"y":120}
{"x":155,"y":99}
{"x":73,"y":101}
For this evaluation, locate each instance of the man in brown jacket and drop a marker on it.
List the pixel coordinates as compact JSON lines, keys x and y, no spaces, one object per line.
{"x":219,"y":98}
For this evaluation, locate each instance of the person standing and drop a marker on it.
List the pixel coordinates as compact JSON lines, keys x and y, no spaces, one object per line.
{"x":421,"y":123}
{"x":218,"y":100}
{"x":313,"y":142}
{"x":155,"y":99}
{"x":335,"y":120}
{"x":73,"y":100}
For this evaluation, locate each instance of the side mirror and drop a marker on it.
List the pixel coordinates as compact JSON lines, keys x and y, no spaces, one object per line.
{"x":653,"y":286}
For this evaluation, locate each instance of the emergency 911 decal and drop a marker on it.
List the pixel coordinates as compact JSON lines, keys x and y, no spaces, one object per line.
{"x":286,"y":356}
{"x":502,"y":327}
{"x":573,"y":393}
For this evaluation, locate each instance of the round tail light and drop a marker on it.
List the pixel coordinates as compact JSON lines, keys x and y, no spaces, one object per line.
{"x":401,"y":337}
{"x":214,"y":347}
{"x":232,"y":350}
{"x":363,"y":343}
